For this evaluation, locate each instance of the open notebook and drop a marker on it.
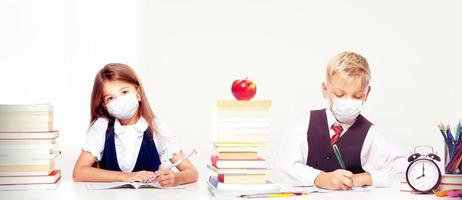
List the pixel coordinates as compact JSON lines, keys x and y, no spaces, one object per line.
{"x":133,"y":185}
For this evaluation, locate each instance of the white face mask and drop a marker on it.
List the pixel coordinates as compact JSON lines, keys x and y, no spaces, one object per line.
{"x":123,"y":107}
{"x":346,"y":110}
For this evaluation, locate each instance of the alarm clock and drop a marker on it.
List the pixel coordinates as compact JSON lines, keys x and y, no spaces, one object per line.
{"x":423,"y":174}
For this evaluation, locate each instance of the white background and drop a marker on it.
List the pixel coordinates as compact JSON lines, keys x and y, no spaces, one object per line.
{"x":187,"y":54}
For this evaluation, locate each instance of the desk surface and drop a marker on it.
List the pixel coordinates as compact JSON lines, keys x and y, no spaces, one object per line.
{"x":71,"y":190}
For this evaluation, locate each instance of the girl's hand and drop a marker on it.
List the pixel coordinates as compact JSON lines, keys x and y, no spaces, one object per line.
{"x":165,"y":177}
{"x":140,"y":176}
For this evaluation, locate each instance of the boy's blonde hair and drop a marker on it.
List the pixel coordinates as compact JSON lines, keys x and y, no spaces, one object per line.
{"x":349,"y":65}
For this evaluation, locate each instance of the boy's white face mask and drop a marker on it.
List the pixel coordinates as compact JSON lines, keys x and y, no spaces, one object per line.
{"x":346,"y":110}
{"x":123,"y":107}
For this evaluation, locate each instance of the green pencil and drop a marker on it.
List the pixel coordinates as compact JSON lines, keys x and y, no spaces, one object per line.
{"x":339,"y":156}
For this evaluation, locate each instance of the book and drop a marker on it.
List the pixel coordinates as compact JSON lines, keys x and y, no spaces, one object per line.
{"x":239,"y":143}
{"x":240,"y":138}
{"x":448,"y":186}
{"x":27,"y":152}
{"x":26,"y":117}
{"x":240,"y":125}
{"x":217,"y":171}
{"x":19,"y":108}
{"x":50,"y":178}
{"x":263,"y":104}
{"x":9,"y":147}
{"x":18,"y":170}
{"x":241,"y":113}
{"x":215,"y":187}
{"x":41,"y":186}
{"x":13,"y":158}
{"x":27,"y":127}
{"x":253,"y":164}
{"x":241,"y":130}
{"x":26,"y":162}
{"x":237,"y":155}
{"x":238,"y":149}
{"x":29,"y":135}
{"x":242,"y":119}
{"x":404,"y":187}
{"x":26,"y":143}
{"x":131,"y":185}
{"x":242,"y":178}
{"x":451,"y":178}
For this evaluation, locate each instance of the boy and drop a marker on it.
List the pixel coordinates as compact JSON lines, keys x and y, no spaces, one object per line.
{"x":368,"y":158}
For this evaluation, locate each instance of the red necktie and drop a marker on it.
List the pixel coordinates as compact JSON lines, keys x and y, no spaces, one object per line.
{"x":337,"y":130}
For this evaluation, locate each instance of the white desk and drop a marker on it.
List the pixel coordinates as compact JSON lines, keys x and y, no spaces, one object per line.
{"x":70,"y":190}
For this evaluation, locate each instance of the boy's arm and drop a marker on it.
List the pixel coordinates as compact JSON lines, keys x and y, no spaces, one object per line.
{"x":293,"y":159}
{"x":362,"y":179}
{"x":382,"y":160}
{"x":293,"y":152}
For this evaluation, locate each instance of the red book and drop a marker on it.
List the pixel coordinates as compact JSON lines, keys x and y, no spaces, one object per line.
{"x":242,"y":178}
{"x":50,"y":178}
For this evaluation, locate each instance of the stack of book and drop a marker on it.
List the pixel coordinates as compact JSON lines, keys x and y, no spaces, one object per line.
{"x":448,"y":182}
{"x":240,"y":131}
{"x":28,"y":147}
{"x":451,"y":182}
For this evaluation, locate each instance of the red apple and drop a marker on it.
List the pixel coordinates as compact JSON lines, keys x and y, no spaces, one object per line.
{"x":244,"y":89}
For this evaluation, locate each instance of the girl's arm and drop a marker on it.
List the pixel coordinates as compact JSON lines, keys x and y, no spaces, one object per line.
{"x":187,"y":172}
{"x":84,"y":171}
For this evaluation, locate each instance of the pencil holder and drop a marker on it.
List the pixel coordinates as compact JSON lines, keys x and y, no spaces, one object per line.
{"x":452,"y":157}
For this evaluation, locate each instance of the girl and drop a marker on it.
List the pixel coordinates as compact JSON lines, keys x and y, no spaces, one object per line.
{"x":126,"y":141}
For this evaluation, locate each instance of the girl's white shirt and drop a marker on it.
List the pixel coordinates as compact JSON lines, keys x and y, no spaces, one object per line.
{"x":128,"y":141}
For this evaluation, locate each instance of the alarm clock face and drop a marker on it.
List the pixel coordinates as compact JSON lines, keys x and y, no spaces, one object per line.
{"x":423,"y":175}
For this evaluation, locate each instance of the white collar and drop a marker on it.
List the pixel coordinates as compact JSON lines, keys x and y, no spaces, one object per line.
{"x":140,"y":126}
{"x":331,"y":120}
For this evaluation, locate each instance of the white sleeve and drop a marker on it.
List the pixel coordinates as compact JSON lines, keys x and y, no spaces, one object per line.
{"x":95,"y":138}
{"x":165,"y":140}
{"x":293,"y":152}
{"x":382,"y":159}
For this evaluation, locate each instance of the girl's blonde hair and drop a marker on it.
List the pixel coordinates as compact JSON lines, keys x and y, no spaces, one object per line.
{"x":349,"y":65}
{"x":118,"y":72}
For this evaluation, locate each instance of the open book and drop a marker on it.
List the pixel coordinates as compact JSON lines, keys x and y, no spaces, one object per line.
{"x":133,"y":185}
{"x":314,"y":189}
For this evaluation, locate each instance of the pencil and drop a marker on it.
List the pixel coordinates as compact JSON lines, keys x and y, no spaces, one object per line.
{"x":273,"y":195}
{"x":339,"y":156}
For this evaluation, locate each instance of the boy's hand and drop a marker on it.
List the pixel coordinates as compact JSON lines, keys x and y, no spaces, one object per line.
{"x":140,"y":176}
{"x":165,"y":177}
{"x":361,"y":179}
{"x":337,"y":180}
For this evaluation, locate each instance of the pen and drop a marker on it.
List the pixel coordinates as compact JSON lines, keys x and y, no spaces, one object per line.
{"x":339,"y":156}
{"x":176,"y":163}
{"x":274,"y":195}
{"x":453,"y":139}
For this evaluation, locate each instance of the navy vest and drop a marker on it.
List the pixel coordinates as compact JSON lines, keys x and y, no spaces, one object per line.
{"x":148,"y":157}
{"x":321,"y":155}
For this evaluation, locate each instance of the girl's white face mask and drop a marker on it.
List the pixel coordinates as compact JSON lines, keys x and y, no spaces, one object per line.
{"x":346,"y":110}
{"x":123,"y":107}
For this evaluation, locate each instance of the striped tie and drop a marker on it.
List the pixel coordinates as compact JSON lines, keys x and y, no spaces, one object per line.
{"x":337,"y":130}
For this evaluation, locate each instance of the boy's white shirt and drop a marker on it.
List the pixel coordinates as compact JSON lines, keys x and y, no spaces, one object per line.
{"x":128,"y":141}
{"x":384,"y":161}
